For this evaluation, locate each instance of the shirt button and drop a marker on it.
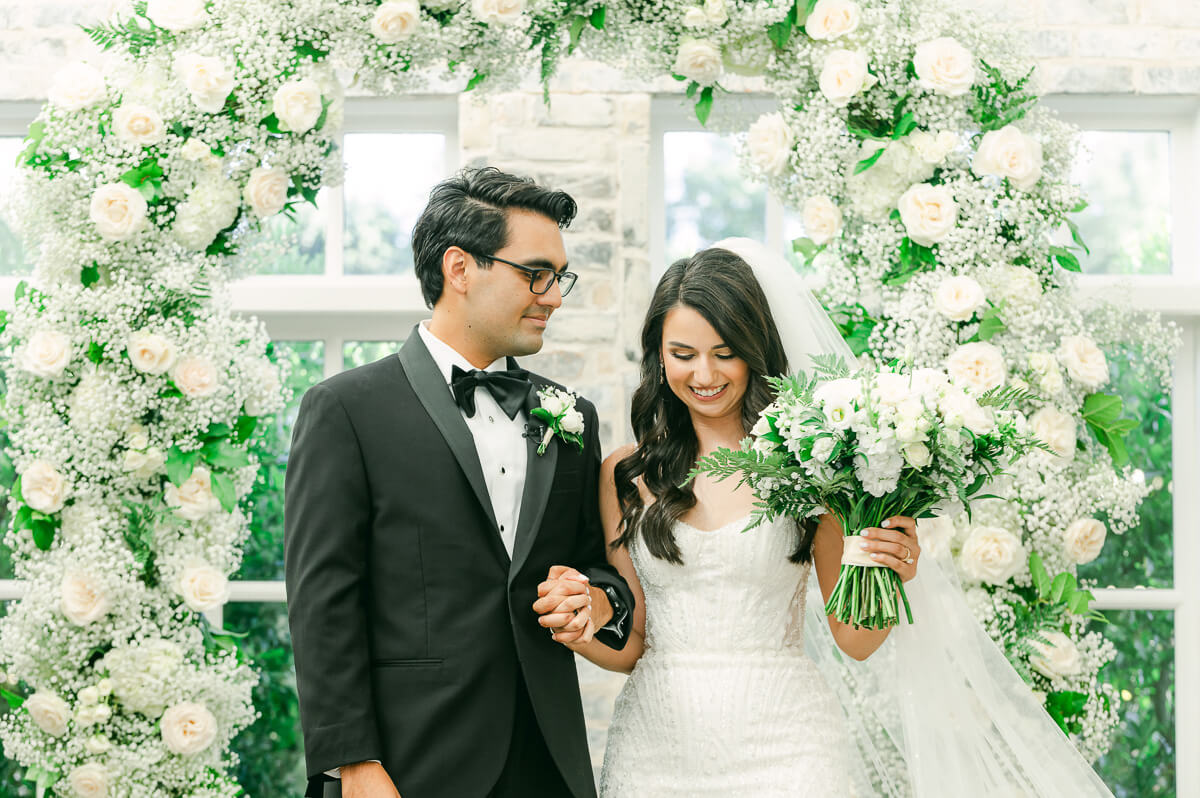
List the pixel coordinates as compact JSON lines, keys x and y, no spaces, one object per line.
{"x":502,"y":527}
{"x":502,"y":471}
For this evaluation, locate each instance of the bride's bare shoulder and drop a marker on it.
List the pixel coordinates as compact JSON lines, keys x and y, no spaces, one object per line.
{"x":610,"y":463}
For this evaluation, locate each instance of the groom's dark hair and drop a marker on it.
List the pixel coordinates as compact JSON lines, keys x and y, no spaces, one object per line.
{"x":470,"y":210}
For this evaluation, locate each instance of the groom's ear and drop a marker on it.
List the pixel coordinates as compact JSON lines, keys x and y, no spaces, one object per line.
{"x":454,"y":270}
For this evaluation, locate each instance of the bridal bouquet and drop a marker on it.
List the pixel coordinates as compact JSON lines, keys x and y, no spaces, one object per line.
{"x":869,"y":445}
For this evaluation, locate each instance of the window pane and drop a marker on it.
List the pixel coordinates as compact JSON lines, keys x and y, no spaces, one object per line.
{"x":12,"y":259}
{"x":1142,"y":759}
{"x":264,"y":550}
{"x":271,"y":750}
{"x":1126,"y":179}
{"x":1144,"y":554}
{"x":388,"y":179}
{"x":793,"y":228}
{"x":707,"y":198}
{"x":360,"y":353}
{"x":300,"y":240}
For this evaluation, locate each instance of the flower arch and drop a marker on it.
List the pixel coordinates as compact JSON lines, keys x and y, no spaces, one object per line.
{"x":928,"y":177}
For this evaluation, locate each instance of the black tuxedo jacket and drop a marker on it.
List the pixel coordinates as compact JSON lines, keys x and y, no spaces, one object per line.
{"x":409,"y":623}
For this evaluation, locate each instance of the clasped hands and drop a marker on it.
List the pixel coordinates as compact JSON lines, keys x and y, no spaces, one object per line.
{"x":564,"y":605}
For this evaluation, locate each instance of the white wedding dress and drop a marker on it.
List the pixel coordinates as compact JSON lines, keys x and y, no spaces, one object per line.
{"x":725,"y":702}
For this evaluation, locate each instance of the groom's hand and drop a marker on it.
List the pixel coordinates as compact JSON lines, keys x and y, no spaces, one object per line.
{"x":367,"y":780}
{"x":565,"y":605}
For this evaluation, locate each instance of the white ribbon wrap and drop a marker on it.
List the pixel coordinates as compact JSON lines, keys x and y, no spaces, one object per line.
{"x":854,"y":554}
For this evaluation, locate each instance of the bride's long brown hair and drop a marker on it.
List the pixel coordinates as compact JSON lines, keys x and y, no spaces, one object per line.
{"x":721,"y":287}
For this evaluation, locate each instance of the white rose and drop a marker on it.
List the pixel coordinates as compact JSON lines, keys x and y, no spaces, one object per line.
{"x":1008,"y":152}
{"x":978,"y":364}
{"x":150,"y":353}
{"x":716,"y":12}
{"x":830,"y":19}
{"x":89,"y":695}
{"x":266,"y":190}
{"x":929,"y":213}
{"x":97,"y":744}
{"x":83,"y":599}
{"x":556,"y":402}
{"x":203,"y":587}
{"x":572,"y":422}
{"x":822,"y":219}
{"x":1083,"y":540}
{"x":43,"y":487}
{"x":1046,"y":367}
{"x":207,"y":80}
{"x":118,"y":211}
{"x":138,"y":125}
{"x":188,"y":728}
{"x":1084,"y":361}
{"x":45,"y":354}
{"x":297,"y":105}
{"x":1019,"y":284}
{"x":769,"y":142}
{"x":194,"y":499}
{"x":49,"y":712}
{"x":844,"y":75}
{"x":695,"y":17}
{"x":1056,"y":429}
{"x":396,"y":20}
{"x":89,"y":781}
{"x":76,"y":86}
{"x":498,"y":12}
{"x":699,"y":60}
{"x":1059,"y":658}
{"x":932,"y":149}
{"x":917,"y":455}
{"x":991,"y":554}
{"x":177,"y":15}
{"x":957,"y":298}
{"x":960,"y":409}
{"x":944,"y":67}
{"x":194,"y":150}
{"x":936,"y":534}
{"x":823,"y":448}
{"x":196,"y":376}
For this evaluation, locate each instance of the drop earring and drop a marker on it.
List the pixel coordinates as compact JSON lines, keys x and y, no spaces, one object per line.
{"x":662,"y":373}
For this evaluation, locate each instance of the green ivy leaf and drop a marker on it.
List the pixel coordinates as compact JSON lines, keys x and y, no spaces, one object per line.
{"x":780,"y":32}
{"x":244,"y":428}
{"x":89,"y":275}
{"x":43,"y":533}
{"x":180,"y":464}
{"x":704,"y":105}
{"x":13,"y":700}
{"x":598,"y":17}
{"x":1062,"y":586}
{"x":1041,"y":577}
{"x":223,"y":454}
{"x":1065,"y":258}
{"x":215,"y":432}
{"x":222,"y":487}
{"x":867,"y":163}
{"x":476,"y":79}
{"x":95,"y":352}
{"x":575,"y":31}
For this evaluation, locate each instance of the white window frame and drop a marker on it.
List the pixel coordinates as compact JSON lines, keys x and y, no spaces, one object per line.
{"x":1176,"y":296}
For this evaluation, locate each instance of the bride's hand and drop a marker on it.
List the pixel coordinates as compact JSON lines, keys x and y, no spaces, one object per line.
{"x":895,"y":545}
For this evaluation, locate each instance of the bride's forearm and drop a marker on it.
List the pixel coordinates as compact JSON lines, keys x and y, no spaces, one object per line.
{"x":857,"y":643}
{"x":611,"y":659}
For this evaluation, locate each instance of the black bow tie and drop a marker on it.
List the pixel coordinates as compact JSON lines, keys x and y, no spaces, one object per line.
{"x":509,"y":388}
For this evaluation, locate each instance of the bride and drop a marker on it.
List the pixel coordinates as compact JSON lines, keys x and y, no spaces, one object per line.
{"x":730,"y":690}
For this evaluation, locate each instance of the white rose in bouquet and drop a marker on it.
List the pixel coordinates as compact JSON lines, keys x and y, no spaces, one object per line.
{"x":266,"y":190}
{"x":49,"y":712}
{"x":76,"y":86}
{"x":188,"y":728}
{"x":45,"y":354}
{"x":936,"y":534}
{"x":699,"y":60}
{"x":203,"y":587}
{"x":1084,"y":361}
{"x":1045,"y":366}
{"x":150,"y":353}
{"x":769,"y":143}
{"x":845,"y":74}
{"x":297,"y":105}
{"x":177,"y":15}
{"x":144,"y":465}
{"x":959,"y":409}
{"x":572,"y":422}
{"x":1083,"y":540}
{"x":978,"y":364}
{"x":831,"y":19}
{"x":194,"y":499}
{"x":944,"y":67}
{"x":992,"y":554}
{"x":933,"y":149}
{"x":1009,"y":153}
{"x":118,"y":211}
{"x":43,"y":487}
{"x":206,"y":79}
{"x":1059,"y":658}
{"x":89,"y":781}
{"x":929,"y":213}
{"x":197,"y":377}
{"x":1056,"y":429}
{"x":498,"y":12}
{"x":396,"y":20}
{"x":823,"y":448}
{"x":83,"y":598}
{"x":822,"y":219}
{"x":957,"y":298}
{"x":891,"y":389}
{"x":917,"y":455}
{"x":138,"y":125}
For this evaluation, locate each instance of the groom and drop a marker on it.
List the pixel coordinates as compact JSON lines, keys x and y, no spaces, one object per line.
{"x":421,"y":523}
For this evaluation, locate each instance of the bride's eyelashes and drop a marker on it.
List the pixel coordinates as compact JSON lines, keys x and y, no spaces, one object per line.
{"x":680,"y":356}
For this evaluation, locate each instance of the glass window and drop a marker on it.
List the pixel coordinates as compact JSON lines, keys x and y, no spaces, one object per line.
{"x":12,"y":258}
{"x":300,"y":238}
{"x":388,"y":178}
{"x":360,"y":353}
{"x":707,"y":197}
{"x":1142,"y":759}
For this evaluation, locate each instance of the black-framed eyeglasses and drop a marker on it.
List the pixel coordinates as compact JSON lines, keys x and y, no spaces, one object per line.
{"x":540,"y":277}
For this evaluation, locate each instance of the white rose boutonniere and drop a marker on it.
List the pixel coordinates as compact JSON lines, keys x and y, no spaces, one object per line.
{"x":560,"y":416}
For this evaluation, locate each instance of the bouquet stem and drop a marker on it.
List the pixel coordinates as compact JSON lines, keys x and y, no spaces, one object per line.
{"x":866,"y":596}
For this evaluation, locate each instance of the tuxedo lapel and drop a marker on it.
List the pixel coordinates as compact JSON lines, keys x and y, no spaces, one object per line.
{"x":539,"y":476}
{"x":430,"y":387}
